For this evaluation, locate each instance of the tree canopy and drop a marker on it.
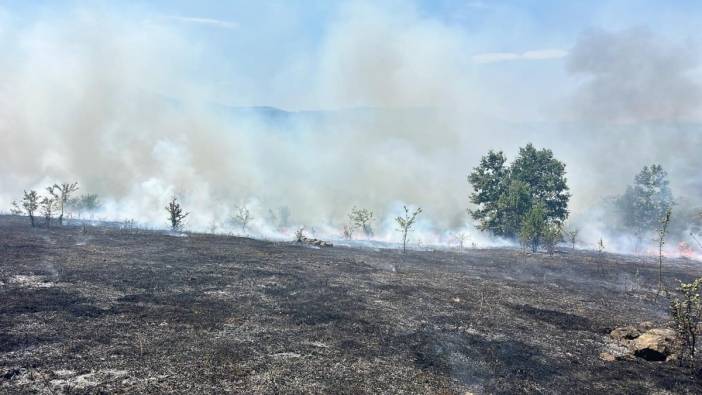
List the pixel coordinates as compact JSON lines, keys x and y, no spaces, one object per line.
{"x":505,"y":194}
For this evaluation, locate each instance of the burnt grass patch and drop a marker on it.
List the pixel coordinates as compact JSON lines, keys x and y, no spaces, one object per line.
{"x":114,"y":312}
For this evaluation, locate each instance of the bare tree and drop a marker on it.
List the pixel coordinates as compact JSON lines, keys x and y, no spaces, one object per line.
{"x":30,"y":202}
{"x":347,"y":233}
{"x":662,"y":230}
{"x":460,"y":239}
{"x":47,"y":209}
{"x":362,"y":218}
{"x":572,"y":235}
{"x":176,"y":216}
{"x":61,"y":194}
{"x":243,"y":217}
{"x":406,"y":224}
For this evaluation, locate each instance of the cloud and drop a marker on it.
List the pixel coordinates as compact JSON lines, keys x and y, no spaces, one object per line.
{"x":634,"y":75}
{"x":540,"y":54}
{"x":211,"y":22}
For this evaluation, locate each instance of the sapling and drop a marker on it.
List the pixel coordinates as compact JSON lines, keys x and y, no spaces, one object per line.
{"x":662,"y":230}
{"x":61,"y":194}
{"x":30,"y":202}
{"x":572,"y":235}
{"x":176,"y":215}
{"x":362,"y":218}
{"x":406,"y":224}
{"x":243,"y":217}
{"x":47,"y":209}
{"x":460,"y":238}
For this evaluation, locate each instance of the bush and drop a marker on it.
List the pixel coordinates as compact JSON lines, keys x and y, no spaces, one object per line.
{"x":687,"y":318}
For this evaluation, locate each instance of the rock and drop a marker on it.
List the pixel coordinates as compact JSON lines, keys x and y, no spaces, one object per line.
{"x":625,"y":333}
{"x":654,"y":345}
{"x":607,"y":357}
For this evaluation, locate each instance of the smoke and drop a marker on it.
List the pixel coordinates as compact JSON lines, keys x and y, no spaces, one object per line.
{"x":635,"y":76}
{"x":124,"y":104}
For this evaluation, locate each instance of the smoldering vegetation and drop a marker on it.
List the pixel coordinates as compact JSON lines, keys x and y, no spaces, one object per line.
{"x":122,"y":313}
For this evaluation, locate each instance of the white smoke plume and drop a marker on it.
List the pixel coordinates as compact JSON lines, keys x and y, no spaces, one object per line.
{"x":117,"y":102}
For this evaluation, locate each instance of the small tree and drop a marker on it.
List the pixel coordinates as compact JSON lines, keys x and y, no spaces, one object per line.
{"x":662,"y":230}
{"x":601,"y":246}
{"x":30,"y":202}
{"x":533,"y":227}
{"x":347,"y":232}
{"x":406,"y":224}
{"x":552,"y":236}
{"x":687,"y":318}
{"x":61,"y":194}
{"x":89,"y":203}
{"x":15,"y":208}
{"x":47,"y":209}
{"x":176,"y":216}
{"x":242,"y":216}
{"x":460,"y":238}
{"x":284,"y":216}
{"x":362,"y":219}
{"x":572,"y":235}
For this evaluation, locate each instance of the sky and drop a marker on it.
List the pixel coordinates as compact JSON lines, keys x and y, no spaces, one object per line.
{"x":246,"y":48}
{"x":122,"y":96}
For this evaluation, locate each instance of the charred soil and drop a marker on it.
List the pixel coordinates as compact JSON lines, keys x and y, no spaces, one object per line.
{"x":119,"y":312}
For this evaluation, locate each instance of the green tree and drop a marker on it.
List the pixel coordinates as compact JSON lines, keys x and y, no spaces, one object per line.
{"x":505,"y":194}
{"x":362,"y":218}
{"x":645,"y":202}
{"x":406,"y":223}
{"x":30,"y":202}
{"x":489,"y":181}
{"x":533,"y":227}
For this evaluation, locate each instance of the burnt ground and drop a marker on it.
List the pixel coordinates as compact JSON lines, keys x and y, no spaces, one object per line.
{"x":117,"y":312}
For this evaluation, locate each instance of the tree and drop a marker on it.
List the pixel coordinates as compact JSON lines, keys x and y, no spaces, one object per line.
{"x":489,"y":183}
{"x":61,"y":194}
{"x":662,"y":230}
{"x":406,"y":224}
{"x":242,"y":216}
{"x":533,"y":227}
{"x":572,"y":235}
{"x":47,"y":209}
{"x":347,"y":232}
{"x":362,"y":219}
{"x":505,"y":195}
{"x":30,"y":202}
{"x":284,"y":215}
{"x":89,"y":203}
{"x":645,"y":202}
{"x":176,"y":216}
{"x":553,"y":234}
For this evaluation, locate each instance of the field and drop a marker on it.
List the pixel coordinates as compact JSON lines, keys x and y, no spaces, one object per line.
{"x":124,"y":312}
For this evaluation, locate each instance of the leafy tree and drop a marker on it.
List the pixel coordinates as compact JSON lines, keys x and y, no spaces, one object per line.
{"x":362,"y":218}
{"x":406,"y":224}
{"x":511,"y":206}
{"x":645,"y":202}
{"x":489,"y":183}
{"x":545,"y":177}
{"x":47,"y":209}
{"x":176,"y":215}
{"x":30,"y":202}
{"x":505,"y":194}
{"x":553,"y":234}
{"x":533,"y":227}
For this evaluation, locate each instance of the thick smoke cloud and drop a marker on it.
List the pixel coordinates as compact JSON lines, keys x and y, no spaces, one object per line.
{"x":635,"y":76}
{"x":117,"y":103}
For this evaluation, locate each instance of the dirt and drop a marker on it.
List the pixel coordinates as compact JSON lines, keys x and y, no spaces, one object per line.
{"x":126,"y":312}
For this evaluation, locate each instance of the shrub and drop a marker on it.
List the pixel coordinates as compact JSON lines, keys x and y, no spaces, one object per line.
{"x":687,"y":318}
